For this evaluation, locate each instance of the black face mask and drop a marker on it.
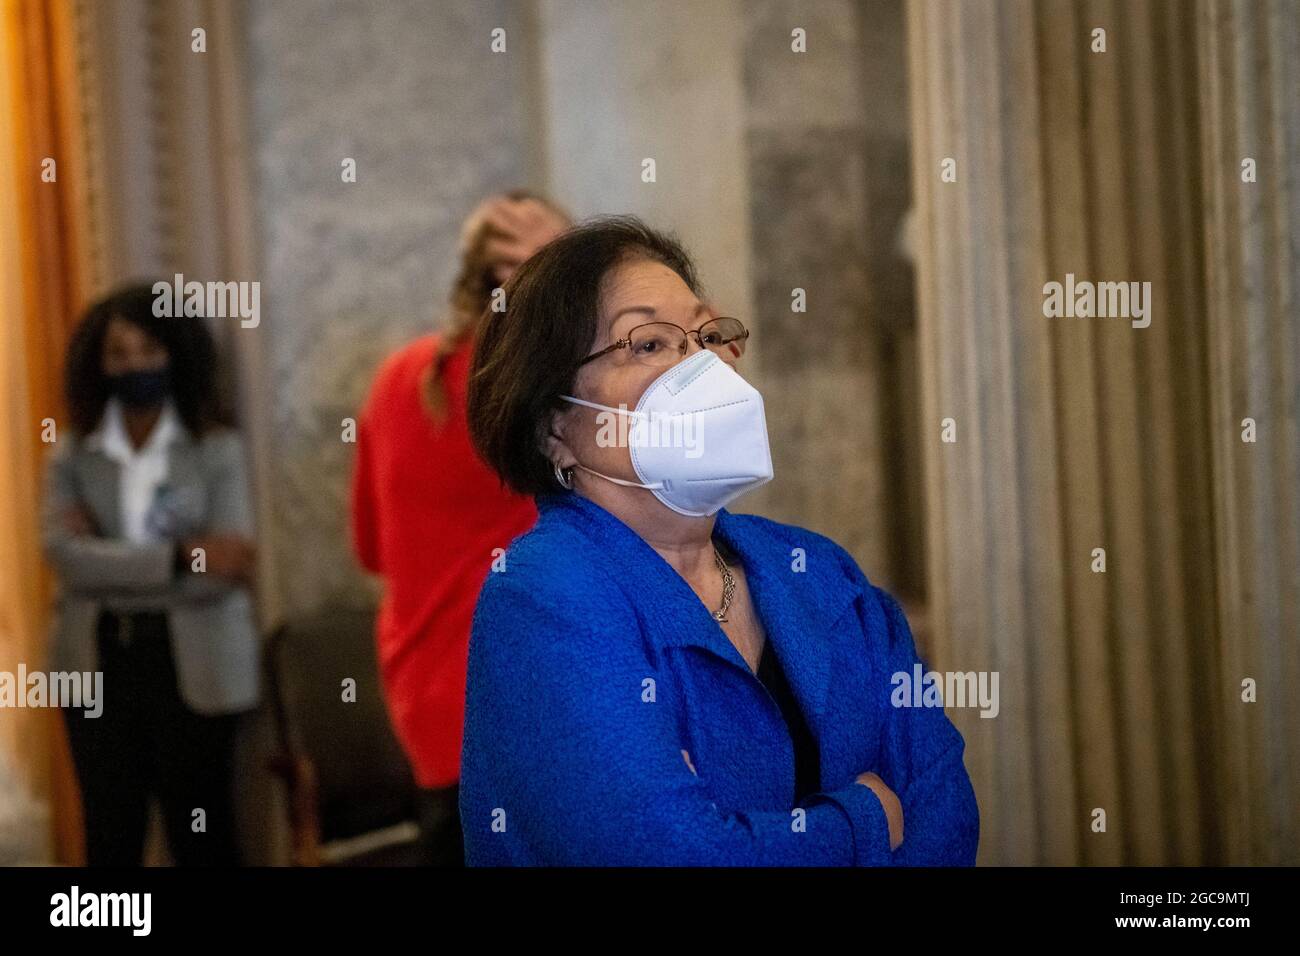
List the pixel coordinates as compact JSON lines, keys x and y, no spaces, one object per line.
{"x":144,"y":388}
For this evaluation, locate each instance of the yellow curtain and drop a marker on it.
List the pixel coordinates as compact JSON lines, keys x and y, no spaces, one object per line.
{"x":42,"y":285}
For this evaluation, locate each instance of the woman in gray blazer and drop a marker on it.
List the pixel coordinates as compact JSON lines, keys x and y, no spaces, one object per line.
{"x":147,"y":523}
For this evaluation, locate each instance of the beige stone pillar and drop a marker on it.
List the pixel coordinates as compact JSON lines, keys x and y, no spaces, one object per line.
{"x":1250,"y":114}
{"x":1072,"y":434}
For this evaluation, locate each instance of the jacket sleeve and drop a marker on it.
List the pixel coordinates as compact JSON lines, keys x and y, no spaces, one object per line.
{"x":230,"y":511}
{"x":87,"y":563}
{"x":99,"y":567}
{"x":572,"y":741}
{"x":921,"y":755}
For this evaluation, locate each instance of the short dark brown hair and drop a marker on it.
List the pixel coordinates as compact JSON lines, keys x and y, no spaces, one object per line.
{"x":527,"y":356}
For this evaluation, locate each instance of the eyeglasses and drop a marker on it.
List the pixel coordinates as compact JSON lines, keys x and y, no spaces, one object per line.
{"x":662,"y":344}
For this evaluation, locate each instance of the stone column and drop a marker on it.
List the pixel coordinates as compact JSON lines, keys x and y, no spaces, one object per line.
{"x":1068,"y":435}
{"x":1250,"y":114}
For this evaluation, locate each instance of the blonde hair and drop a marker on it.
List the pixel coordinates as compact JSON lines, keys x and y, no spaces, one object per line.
{"x":471,"y":292}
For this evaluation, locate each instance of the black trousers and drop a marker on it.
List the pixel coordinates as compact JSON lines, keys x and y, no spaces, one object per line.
{"x":442,"y":843}
{"x":145,"y":743}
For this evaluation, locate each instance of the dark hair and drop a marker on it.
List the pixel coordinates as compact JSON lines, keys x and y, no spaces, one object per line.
{"x":527,"y":356}
{"x":191,"y":352}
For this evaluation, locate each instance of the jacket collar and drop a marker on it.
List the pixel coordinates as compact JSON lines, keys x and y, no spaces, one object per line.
{"x":110,"y":437}
{"x":101,"y":471}
{"x":798,"y":608}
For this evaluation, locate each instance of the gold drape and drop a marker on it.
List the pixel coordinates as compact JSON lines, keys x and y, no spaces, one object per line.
{"x":42,"y":269}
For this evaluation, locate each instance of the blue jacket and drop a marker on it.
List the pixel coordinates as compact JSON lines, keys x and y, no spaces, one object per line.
{"x":593,"y":666}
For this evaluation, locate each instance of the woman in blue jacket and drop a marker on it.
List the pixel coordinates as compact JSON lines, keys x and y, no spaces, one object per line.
{"x":654,"y":680}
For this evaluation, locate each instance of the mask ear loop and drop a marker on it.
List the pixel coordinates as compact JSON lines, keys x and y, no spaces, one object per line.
{"x":622,"y":481}
{"x":631,"y":413}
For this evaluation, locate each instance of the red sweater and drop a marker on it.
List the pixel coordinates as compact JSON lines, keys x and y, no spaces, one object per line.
{"x":426,"y":515}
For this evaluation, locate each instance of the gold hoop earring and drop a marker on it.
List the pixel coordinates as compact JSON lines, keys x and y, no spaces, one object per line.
{"x":563,"y":475}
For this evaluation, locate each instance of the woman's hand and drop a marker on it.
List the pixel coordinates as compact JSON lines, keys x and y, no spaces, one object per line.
{"x":889,"y":800}
{"x":523,"y":227}
{"x":226,"y":555}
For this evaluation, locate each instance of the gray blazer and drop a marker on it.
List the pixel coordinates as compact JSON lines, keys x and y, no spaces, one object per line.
{"x":213,"y":631}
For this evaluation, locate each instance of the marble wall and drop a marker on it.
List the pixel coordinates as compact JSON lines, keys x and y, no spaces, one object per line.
{"x":623,"y":83}
{"x":827,"y":144}
{"x":435,"y":121}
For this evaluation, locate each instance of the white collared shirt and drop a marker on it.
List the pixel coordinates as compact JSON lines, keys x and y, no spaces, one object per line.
{"x":142,"y":471}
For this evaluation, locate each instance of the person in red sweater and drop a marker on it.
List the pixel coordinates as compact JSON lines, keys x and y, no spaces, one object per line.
{"x":429,"y":516}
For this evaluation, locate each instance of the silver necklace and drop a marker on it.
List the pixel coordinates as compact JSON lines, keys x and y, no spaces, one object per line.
{"x":728,"y":587}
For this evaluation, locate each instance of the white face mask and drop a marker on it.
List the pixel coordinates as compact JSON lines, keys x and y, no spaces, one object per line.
{"x":698,"y":436}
